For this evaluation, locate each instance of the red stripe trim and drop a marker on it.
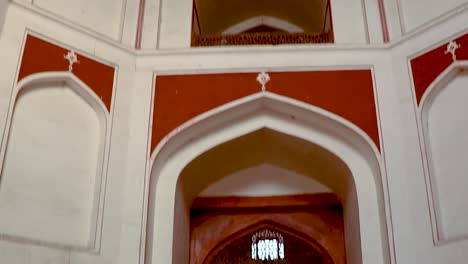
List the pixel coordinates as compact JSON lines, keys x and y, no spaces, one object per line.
{"x":141,"y":16}
{"x":383,"y":22}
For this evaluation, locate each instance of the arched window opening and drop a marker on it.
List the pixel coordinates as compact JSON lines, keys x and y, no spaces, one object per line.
{"x":299,"y":251}
{"x":244,"y":22}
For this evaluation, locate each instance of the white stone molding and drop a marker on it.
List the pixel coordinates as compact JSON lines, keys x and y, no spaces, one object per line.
{"x":111,"y":30}
{"x":427,"y":23}
{"x":425,"y":105}
{"x":262,"y":20}
{"x":36,"y":81}
{"x":285,"y":115}
{"x":439,"y":83}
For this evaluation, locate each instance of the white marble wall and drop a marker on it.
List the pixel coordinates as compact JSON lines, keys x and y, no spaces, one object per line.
{"x":118,"y":238}
{"x":3,"y":10}
{"x":123,"y":222}
{"x":264,"y":180}
{"x":104,"y":16}
{"x":416,"y":13}
{"x":446,"y":151}
{"x":349,"y":22}
{"x":51,"y":175}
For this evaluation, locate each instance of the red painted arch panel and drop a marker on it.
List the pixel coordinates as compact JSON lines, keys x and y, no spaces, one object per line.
{"x":426,"y":67}
{"x":347,"y":93}
{"x":42,"y":56}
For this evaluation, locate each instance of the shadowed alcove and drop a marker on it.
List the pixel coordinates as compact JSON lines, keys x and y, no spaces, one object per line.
{"x":311,"y":163}
{"x":243,"y":22}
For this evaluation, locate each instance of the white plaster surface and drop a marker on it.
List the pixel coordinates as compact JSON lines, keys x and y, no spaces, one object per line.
{"x":447,"y":145}
{"x":418,"y":12}
{"x":264,"y":180}
{"x":175,"y":28}
{"x":150,"y":25}
{"x":103,"y":16}
{"x":124,"y":229}
{"x":3,"y":10}
{"x":407,"y":182}
{"x":393,"y":19}
{"x":47,"y":188}
{"x":14,"y":253}
{"x":349,"y":22}
{"x":129,"y":21}
{"x":373,"y":21}
{"x":18,"y":20}
{"x":40,"y":255}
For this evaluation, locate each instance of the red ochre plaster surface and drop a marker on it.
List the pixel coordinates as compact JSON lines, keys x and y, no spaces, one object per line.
{"x":428,"y":66}
{"x":347,"y":93}
{"x":42,"y":56}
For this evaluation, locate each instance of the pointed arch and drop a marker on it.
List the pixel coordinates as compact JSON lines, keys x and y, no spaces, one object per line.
{"x":285,"y":115}
{"x":440,"y":83}
{"x":78,"y":86}
{"x":76,"y":141}
{"x":262,"y":20}
{"x":433,"y":108}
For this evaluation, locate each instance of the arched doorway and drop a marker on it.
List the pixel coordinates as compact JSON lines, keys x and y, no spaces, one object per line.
{"x":304,"y":127}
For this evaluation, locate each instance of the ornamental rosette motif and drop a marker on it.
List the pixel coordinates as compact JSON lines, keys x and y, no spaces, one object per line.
{"x":452,"y":47}
{"x":72,"y":59}
{"x":263,"y":78}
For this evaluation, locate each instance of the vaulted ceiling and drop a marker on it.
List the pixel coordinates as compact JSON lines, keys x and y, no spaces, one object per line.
{"x":215,"y":16}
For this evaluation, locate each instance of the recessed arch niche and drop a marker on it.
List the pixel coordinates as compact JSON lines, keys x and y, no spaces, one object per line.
{"x":444,"y":119}
{"x":268,"y":146}
{"x":265,"y":179}
{"x":171,"y":191}
{"x":261,"y":22}
{"x":53,"y":162}
{"x":214,"y":17}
